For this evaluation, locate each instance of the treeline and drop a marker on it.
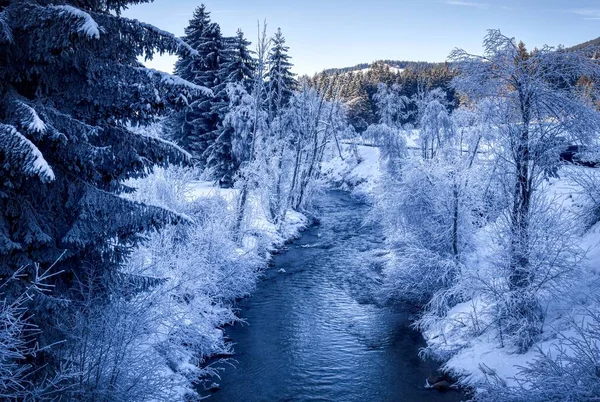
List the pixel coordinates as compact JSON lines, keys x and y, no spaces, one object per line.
{"x":357,"y":88}
{"x":362,"y":66}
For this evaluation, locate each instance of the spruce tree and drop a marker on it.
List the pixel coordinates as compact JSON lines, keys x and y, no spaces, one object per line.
{"x":236,"y":69}
{"x":70,"y":86}
{"x":188,"y":67}
{"x":241,"y":65}
{"x":195,"y":127}
{"x":186,"y":127}
{"x":281,"y":80}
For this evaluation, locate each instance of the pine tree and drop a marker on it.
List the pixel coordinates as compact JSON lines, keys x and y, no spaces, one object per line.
{"x":70,"y":85}
{"x":194,"y":127}
{"x":236,"y":69}
{"x":241,"y":65}
{"x":281,"y":80}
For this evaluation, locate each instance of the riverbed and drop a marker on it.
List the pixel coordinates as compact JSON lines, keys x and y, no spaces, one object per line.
{"x":314,"y":331}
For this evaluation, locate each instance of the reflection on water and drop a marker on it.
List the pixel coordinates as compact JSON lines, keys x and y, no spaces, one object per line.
{"x":313,"y":332}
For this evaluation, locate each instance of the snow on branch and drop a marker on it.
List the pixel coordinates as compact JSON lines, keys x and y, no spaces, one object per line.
{"x":5,"y":31}
{"x":29,"y":118}
{"x":186,"y":154}
{"x":23,"y":155}
{"x":171,"y":80}
{"x":88,"y":26}
{"x":180,"y":43}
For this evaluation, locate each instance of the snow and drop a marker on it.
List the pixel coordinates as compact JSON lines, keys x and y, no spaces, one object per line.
{"x":361,"y":176}
{"x":173,"y":80}
{"x":171,"y":144}
{"x":260,"y":228}
{"x":39,"y":166}
{"x":180,"y":43}
{"x":5,"y":31}
{"x":33,"y":123}
{"x":89,"y":27}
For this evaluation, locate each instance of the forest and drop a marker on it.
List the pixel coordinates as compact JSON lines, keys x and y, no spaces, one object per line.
{"x":140,"y":211}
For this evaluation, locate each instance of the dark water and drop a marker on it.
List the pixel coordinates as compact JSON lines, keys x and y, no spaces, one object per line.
{"x":314,"y":332}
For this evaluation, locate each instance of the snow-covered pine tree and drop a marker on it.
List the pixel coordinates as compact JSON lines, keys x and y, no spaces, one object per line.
{"x":70,"y":84}
{"x":193,"y":128}
{"x":236,"y":68}
{"x":188,"y":67}
{"x":241,"y":64}
{"x":281,"y":80}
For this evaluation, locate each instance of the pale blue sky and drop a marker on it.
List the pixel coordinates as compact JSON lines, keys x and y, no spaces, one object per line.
{"x":335,"y":33}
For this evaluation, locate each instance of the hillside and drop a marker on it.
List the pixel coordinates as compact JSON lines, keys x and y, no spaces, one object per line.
{"x":357,"y":85}
{"x":593,"y":44}
{"x":393,"y":64}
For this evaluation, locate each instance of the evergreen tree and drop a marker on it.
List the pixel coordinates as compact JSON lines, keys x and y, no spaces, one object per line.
{"x":241,"y":65}
{"x":236,"y":69}
{"x":70,"y":85}
{"x":188,"y":67}
{"x":195,"y":127}
{"x":281,"y":80}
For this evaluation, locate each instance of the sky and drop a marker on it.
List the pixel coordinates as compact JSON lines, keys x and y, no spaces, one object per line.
{"x":341,"y":33}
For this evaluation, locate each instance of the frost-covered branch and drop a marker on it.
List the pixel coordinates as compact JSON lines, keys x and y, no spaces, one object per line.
{"x":87,"y":26}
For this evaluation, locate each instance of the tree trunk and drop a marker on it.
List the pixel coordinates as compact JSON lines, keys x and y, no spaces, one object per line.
{"x":520,"y":276}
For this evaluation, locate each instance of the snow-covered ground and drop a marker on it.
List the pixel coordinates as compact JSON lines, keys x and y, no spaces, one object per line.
{"x":469,"y":339}
{"x":359,"y":172}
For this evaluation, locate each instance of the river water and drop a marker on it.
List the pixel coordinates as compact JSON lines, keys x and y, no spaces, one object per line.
{"x":314,"y":333}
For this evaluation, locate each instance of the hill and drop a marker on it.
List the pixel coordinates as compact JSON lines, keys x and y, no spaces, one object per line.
{"x":357,"y":85}
{"x":593,"y":46}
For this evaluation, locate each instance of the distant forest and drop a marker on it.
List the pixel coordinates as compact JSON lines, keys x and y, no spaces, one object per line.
{"x":356,"y":86}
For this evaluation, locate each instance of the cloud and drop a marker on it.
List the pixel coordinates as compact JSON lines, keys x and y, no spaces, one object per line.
{"x":466,"y":3}
{"x":587,"y":13}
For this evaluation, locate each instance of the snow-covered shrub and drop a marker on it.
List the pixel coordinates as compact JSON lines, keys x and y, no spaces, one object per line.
{"x":14,"y":348}
{"x":588,"y":182}
{"x":430,"y":205}
{"x":18,"y":346}
{"x":110,"y":353}
{"x":489,"y":307}
{"x":203,"y":266}
{"x":554,"y":262}
{"x":569,"y":370}
{"x":418,"y":226}
{"x":150,"y":339}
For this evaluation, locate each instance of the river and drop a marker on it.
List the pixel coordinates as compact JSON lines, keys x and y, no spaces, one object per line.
{"x":314,"y":332}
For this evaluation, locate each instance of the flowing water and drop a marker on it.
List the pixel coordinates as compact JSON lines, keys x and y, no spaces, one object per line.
{"x":314,"y":331}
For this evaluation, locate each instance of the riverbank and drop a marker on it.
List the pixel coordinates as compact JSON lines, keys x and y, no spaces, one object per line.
{"x":467,"y":339}
{"x":207,"y":262}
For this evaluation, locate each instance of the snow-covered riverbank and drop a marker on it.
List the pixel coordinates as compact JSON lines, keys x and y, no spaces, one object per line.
{"x":466,"y":338}
{"x":207,"y":263}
